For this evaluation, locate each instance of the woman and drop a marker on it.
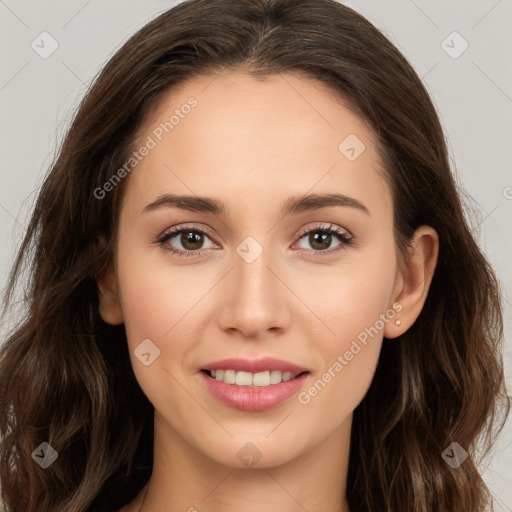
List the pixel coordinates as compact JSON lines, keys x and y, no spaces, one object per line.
{"x":252,"y":283}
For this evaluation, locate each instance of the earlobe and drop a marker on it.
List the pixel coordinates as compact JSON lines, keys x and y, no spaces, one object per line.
{"x":414,"y":280}
{"x":109,"y":305}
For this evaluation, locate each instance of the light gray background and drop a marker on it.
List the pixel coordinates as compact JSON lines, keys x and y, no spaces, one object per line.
{"x":473,"y":94}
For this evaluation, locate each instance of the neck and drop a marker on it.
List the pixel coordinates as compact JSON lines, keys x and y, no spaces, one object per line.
{"x":184,"y":479}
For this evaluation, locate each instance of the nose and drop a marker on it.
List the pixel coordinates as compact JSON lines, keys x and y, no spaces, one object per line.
{"x":255,"y":300}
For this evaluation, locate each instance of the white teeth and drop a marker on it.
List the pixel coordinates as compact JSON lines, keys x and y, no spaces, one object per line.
{"x":259,"y":379}
{"x":275,"y":377}
{"x":229,"y":376}
{"x":243,"y":379}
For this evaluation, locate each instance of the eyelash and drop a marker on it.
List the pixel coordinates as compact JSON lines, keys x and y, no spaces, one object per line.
{"x":340,"y":234}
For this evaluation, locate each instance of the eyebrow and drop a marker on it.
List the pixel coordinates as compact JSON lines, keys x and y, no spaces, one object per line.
{"x":295,"y":204}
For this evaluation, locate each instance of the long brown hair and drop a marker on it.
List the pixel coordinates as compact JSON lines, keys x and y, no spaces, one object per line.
{"x":65,"y":375}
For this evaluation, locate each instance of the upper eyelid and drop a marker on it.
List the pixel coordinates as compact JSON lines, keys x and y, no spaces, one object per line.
{"x":324,"y":227}
{"x":173,"y":231}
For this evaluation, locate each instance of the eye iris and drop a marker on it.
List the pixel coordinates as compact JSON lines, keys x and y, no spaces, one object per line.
{"x":318,"y":238}
{"x":191,"y":237}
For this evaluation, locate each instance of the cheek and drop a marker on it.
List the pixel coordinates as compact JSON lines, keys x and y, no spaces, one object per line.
{"x":160,"y":306}
{"x":347,"y":357}
{"x":156,"y":298}
{"x":353,"y":305}
{"x":333,"y":395}
{"x":351,"y":297}
{"x":166,"y":305}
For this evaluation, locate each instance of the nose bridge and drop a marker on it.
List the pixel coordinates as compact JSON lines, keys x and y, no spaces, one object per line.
{"x":255,"y":300}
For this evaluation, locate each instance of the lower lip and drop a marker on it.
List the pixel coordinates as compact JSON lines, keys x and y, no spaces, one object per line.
{"x":248,"y":398}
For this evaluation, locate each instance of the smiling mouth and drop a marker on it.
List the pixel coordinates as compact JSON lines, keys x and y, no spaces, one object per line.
{"x":254,"y":380}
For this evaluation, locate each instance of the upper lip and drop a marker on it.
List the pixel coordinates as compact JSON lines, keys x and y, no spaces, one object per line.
{"x":255,"y":365}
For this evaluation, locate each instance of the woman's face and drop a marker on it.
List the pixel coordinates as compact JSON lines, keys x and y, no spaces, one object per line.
{"x":259,"y":277}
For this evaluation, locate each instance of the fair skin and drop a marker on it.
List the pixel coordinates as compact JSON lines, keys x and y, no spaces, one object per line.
{"x":253,"y":144}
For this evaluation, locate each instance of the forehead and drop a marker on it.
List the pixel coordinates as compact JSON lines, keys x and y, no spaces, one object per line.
{"x":233,"y":136}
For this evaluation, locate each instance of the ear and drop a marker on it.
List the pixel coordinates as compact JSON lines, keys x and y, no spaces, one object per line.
{"x":110,"y":307}
{"x":413,"y":280}
{"x":109,"y":304}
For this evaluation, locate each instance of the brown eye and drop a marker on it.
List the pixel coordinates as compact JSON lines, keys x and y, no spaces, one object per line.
{"x":320,"y":239}
{"x":185,"y":241}
{"x":191,"y":240}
